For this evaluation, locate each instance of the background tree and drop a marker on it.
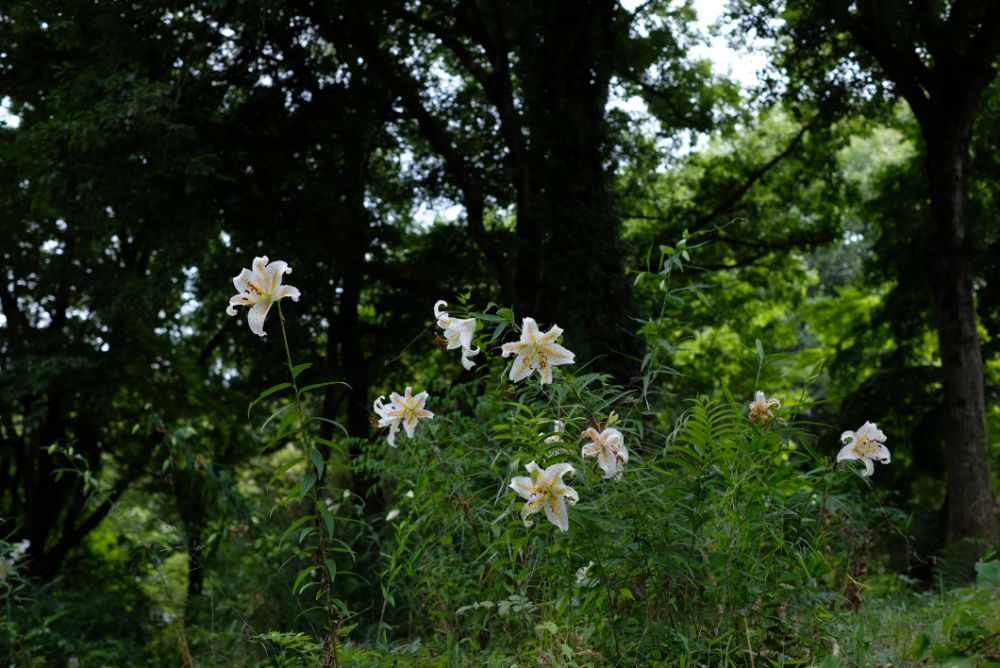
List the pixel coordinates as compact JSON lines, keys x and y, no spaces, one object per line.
{"x":939,"y":58}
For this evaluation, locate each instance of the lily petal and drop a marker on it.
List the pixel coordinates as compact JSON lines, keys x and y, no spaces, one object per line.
{"x":467,"y":355}
{"x":256,"y":315}
{"x":393,"y":430}
{"x":529,"y":329}
{"x":287,"y":291}
{"x":555,"y":510}
{"x":557,"y":354}
{"x":523,"y":486}
{"x":847,"y":452}
{"x":869,"y":467}
{"x":521,"y":368}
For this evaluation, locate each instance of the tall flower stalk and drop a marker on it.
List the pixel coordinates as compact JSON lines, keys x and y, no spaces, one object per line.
{"x":334,"y":618}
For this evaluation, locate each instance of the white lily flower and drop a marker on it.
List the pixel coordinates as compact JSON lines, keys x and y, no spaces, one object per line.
{"x":20,"y":549}
{"x":536,"y":351}
{"x":865,"y":444}
{"x":405,"y":410}
{"x":760,"y":407}
{"x":259,"y":289}
{"x":556,"y":437}
{"x":458,"y":332}
{"x":581,"y":573}
{"x":609,"y":448}
{"x":545,"y":489}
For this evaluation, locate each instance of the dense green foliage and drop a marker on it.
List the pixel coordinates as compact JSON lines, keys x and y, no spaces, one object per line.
{"x":176,"y":490}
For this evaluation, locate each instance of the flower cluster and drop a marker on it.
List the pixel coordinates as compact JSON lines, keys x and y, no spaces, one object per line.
{"x":866,"y":444}
{"x":542,"y":489}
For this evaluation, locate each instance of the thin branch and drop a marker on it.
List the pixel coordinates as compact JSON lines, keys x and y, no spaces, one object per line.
{"x":752,"y":178}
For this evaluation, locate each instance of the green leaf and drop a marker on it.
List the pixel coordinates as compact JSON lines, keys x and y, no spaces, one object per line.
{"x":308,"y":481}
{"x":988,"y":574}
{"x":301,"y":576}
{"x":334,"y":423}
{"x":286,"y":421}
{"x":498,"y":332}
{"x":274,"y":415}
{"x":488,"y":317}
{"x":283,"y":470}
{"x":317,"y":459}
{"x":295,"y":525}
{"x":333,"y":445}
{"x":266,"y":393}
{"x":299,"y":368}
{"x":327,"y":516}
{"x":316,"y":386}
{"x":506,"y":313}
{"x":331,"y":568}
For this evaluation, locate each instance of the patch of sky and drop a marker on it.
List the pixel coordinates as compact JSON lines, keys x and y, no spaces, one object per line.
{"x":7,"y":118}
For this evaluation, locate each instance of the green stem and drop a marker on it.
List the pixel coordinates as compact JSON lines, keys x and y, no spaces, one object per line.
{"x":333,"y":617}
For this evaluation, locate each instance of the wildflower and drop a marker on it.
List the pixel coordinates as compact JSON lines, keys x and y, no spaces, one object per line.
{"x":581,"y":573}
{"x":609,"y":448}
{"x":867,"y":445}
{"x":458,"y":332}
{"x":536,"y":351}
{"x":16,"y":554}
{"x":560,"y":427}
{"x":392,"y":514}
{"x":760,"y":407}
{"x":545,"y":489}
{"x":405,"y":410}
{"x":409,"y":494}
{"x":20,"y":549}
{"x":260,"y":288}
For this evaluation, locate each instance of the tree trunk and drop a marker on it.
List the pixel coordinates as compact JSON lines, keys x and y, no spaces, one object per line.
{"x":196,"y":571}
{"x":565,"y":56}
{"x":970,"y":520}
{"x":355,"y":241}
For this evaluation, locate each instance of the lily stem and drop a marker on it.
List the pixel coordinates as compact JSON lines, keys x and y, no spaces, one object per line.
{"x":333,"y":616}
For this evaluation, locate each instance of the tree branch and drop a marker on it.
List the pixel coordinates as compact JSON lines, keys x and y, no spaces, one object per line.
{"x":752,"y":178}
{"x":464,"y":173}
{"x":901,"y":63}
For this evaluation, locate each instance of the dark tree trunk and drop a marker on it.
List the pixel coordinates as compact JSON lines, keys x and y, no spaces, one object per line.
{"x":963,"y":47}
{"x":969,"y":512}
{"x":570,"y":269}
{"x":196,"y":570}
{"x":352,"y":357}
